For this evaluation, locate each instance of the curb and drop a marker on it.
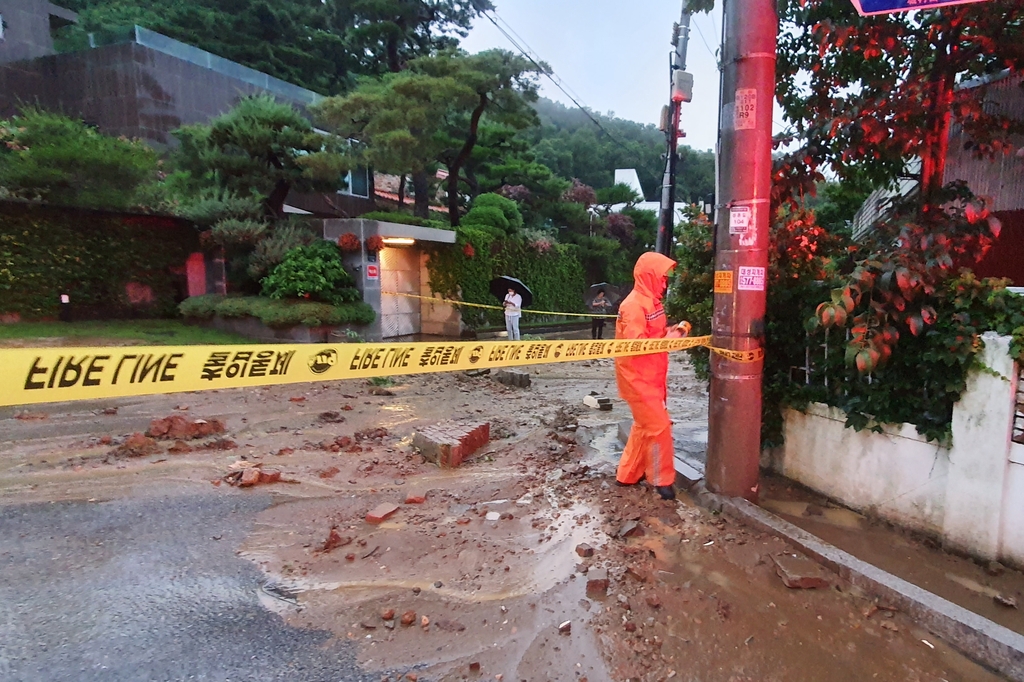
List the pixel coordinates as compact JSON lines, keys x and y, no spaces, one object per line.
{"x":978,"y":638}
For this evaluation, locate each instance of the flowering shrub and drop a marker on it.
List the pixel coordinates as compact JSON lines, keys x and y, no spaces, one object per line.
{"x":374,"y":243}
{"x":348,"y":242}
{"x":468,"y":250}
{"x":541,"y":245}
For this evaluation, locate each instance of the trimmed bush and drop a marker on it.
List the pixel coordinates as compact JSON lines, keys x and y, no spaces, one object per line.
{"x":276,"y":313}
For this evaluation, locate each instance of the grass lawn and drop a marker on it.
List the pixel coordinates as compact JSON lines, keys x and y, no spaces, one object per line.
{"x":114,"y":332}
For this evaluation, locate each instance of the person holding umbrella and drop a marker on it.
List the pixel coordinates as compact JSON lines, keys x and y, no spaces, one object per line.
{"x":601,"y":305}
{"x":643,"y":379}
{"x":514,"y":295}
{"x":513,"y":311}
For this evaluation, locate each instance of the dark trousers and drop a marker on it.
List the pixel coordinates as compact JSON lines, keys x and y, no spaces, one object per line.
{"x":596,"y":327}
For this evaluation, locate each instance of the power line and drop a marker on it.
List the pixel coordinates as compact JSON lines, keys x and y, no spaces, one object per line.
{"x":550,"y":74}
{"x":703,"y":40}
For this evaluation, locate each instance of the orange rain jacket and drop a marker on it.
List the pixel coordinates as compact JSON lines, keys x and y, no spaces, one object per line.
{"x":642,"y":378}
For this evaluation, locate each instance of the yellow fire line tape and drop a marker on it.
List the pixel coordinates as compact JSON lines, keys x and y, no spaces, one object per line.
{"x":42,"y":375}
{"x":492,"y":307}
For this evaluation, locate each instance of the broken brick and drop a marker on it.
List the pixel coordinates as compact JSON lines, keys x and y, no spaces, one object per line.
{"x":250,"y":477}
{"x":328,"y":473}
{"x":137,"y":445}
{"x":584,"y":550}
{"x":180,"y":447}
{"x":381,"y":512}
{"x":408,"y":618}
{"x":335,"y":540}
{"x":597,"y":582}
{"x":415,"y":497}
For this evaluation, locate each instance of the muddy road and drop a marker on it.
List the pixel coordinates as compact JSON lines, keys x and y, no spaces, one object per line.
{"x":125,"y":563}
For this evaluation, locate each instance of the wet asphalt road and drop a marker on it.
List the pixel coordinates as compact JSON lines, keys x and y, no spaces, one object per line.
{"x":139,"y":589}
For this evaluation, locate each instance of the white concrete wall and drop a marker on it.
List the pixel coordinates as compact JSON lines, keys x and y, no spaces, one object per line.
{"x":897,"y":474}
{"x":970,"y":492}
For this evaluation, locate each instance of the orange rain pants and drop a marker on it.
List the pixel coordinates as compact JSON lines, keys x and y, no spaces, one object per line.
{"x":643,"y":379}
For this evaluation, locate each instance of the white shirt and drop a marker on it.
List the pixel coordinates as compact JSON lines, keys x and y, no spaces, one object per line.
{"x":515,"y":309}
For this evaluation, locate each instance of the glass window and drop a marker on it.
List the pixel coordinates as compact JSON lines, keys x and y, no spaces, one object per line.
{"x":359,"y":182}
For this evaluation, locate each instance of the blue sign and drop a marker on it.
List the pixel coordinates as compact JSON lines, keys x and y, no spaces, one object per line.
{"x":869,"y":7}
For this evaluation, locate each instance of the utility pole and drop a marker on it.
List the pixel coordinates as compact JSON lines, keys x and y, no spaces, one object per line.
{"x":681,"y":84}
{"x":741,"y":258}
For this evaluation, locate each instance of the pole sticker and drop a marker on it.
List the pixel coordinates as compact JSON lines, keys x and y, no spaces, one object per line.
{"x":751,"y":279}
{"x":723,"y":281}
{"x":745,"y":115}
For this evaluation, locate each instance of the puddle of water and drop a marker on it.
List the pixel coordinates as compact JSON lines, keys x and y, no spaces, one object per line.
{"x":834,"y":516}
{"x":972,"y":585}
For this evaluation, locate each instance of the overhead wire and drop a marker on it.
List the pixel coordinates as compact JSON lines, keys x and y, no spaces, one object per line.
{"x":550,"y":75}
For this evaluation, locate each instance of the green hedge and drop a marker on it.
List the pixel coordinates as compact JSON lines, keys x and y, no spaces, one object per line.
{"x":555,"y":277}
{"x":275,"y":313}
{"x":91,"y":255}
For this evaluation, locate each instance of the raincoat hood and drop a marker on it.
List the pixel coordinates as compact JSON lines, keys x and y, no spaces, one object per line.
{"x":648,"y":271}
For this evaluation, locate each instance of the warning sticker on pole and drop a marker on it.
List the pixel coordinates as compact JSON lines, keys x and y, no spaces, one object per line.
{"x":751,"y":279}
{"x":41,"y":375}
{"x":723,"y":281}
{"x":745,"y":115}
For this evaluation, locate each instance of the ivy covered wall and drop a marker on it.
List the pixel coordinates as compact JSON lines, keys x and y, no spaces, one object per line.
{"x":111,"y":265}
{"x":553,"y":272}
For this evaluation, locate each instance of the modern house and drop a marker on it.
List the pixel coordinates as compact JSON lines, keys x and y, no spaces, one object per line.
{"x":143,"y":85}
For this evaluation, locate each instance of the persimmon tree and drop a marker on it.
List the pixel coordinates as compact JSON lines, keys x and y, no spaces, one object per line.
{"x":875,"y":99}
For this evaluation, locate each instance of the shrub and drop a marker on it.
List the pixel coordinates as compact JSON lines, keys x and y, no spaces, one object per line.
{"x":63,"y":161}
{"x":269,"y":252}
{"x":508,"y":208}
{"x":275,"y":313}
{"x":238,"y":232}
{"x":311,"y":272}
{"x":488,"y":217}
{"x":395,"y":217}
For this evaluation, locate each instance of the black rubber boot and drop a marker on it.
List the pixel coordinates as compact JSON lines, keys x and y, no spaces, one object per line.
{"x":626,"y":485}
{"x":667,"y":492}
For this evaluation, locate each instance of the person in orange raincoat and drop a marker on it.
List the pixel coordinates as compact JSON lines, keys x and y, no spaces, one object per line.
{"x":643,"y":379}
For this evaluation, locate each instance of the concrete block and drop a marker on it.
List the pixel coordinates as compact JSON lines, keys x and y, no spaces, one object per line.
{"x":513,"y":377}
{"x":447,"y":444}
{"x":799,"y":572}
{"x":597,"y":402}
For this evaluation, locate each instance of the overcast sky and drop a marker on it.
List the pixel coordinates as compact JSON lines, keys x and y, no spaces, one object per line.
{"x":613,"y":54}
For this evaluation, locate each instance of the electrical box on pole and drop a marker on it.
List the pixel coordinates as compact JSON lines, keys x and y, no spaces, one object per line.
{"x":741,"y":241}
{"x":682,"y":86}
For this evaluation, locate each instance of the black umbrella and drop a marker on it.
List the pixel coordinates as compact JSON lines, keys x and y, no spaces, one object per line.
{"x":611,"y":292}
{"x":500,"y":286}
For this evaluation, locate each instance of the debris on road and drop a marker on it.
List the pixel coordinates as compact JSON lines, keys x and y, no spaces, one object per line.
{"x":177,"y":427}
{"x":799,"y":572}
{"x":598,"y":402}
{"x":381,"y":512}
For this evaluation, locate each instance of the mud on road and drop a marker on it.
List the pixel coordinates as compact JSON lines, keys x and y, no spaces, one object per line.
{"x":484,"y":562}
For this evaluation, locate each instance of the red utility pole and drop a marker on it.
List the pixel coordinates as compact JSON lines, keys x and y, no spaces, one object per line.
{"x":741,"y":258}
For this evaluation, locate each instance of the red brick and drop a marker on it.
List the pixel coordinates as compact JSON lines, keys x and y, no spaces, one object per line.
{"x":449,"y":443}
{"x":415,"y":497}
{"x":381,"y":512}
{"x":250,"y":477}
